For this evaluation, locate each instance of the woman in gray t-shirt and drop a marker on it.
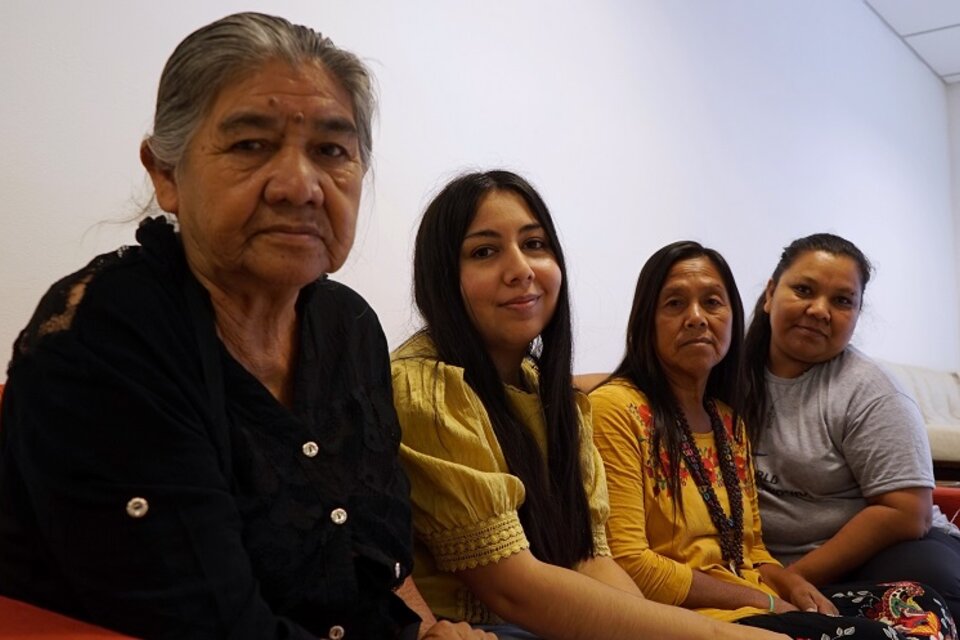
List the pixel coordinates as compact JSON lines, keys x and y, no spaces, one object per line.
{"x":843,"y":463}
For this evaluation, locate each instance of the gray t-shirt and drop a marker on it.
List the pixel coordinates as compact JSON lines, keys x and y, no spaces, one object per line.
{"x":838,"y":434}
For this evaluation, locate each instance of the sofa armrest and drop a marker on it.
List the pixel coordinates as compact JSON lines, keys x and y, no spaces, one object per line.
{"x":22,"y":620}
{"x":948,"y":499}
{"x":587,"y":382}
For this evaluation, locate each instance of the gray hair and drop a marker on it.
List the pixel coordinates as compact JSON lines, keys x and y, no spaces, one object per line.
{"x":215,"y":55}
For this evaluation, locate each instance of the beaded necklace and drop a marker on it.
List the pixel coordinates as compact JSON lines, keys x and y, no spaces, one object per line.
{"x":730,"y":529}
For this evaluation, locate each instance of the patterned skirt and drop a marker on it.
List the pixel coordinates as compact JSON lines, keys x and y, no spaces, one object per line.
{"x":888,"y":611}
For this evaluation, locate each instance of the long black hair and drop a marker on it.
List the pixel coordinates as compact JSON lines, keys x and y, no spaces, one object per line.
{"x":757,"y":342}
{"x":641,"y":364}
{"x":555,"y":514}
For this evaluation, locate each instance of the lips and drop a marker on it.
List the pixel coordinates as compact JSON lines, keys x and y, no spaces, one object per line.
{"x":697,"y":341}
{"x":521,"y":301}
{"x":293,"y":236}
{"x":812,"y":330}
{"x":294,"y":230}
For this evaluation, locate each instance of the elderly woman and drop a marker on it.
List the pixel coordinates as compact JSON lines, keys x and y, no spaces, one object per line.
{"x":684,"y":520}
{"x":198,"y":432}
{"x":838,"y":435}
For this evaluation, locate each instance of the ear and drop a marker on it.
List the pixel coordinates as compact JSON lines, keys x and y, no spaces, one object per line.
{"x":164,"y":182}
{"x":768,"y":295}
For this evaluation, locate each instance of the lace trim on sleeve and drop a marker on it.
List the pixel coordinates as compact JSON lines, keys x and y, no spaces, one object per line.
{"x":58,"y":307}
{"x":478,"y":544}
{"x":62,"y":321}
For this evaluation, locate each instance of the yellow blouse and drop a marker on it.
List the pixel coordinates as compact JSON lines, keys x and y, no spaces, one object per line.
{"x":655,"y":543}
{"x":465,"y":500}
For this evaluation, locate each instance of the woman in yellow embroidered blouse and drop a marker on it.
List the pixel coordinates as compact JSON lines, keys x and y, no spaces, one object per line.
{"x":508,"y":490}
{"x":684,"y":521}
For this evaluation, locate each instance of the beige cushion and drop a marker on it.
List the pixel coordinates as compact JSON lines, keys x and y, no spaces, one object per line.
{"x":944,"y":442}
{"x":937,"y":393}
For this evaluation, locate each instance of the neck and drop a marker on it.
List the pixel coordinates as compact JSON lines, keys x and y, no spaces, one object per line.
{"x":784,"y":367}
{"x":689,"y":399}
{"x":509,"y":367}
{"x":261,"y":334}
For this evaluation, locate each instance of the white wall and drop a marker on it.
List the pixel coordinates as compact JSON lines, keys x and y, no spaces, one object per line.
{"x":742,"y":124}
{"x":953,"y":106}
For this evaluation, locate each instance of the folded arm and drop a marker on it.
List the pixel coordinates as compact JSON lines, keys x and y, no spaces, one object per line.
{"x":889,"y":518}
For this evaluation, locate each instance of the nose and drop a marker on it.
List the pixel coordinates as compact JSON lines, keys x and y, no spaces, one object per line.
{"x":819,"y":308}
{"x":293,"y":179}
{"x":517,"y":269}
{"x":696,"y":317}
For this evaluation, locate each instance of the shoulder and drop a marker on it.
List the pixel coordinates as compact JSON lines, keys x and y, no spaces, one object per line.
{"x":341,"y":324}
{"x":418,"y":354}
{"x":618,"y":392}
{"x":117,"y":296}
{"x":855,"y":374}
{"x":619,"y":403}
{"x":419,"y":346}
{"x":853,"y":366}
{"x":115,"y":339}
{"x":859,"y":391}
{"x":422,"y":382}
{"x":326,"y":290}
{"x":333,"y":301}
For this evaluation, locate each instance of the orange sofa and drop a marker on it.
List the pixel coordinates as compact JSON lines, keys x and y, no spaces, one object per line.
{"x":22,"y":620}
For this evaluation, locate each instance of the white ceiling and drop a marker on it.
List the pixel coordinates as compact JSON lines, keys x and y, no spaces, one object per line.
{"x":931,"y":28}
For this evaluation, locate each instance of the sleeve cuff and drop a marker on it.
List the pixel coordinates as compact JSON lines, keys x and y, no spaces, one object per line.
{"x":600,"y":546}
{"x":475,"y":545}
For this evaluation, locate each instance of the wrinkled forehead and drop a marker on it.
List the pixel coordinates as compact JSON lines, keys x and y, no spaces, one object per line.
{"x":275,"y":80}
{"x":700,"y":268}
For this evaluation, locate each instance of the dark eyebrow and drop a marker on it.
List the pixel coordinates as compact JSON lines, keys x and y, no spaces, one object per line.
{"x":675,"y":289}
{"x":335,"y":125}
{"x":672,"y":289}
{"x":489,"y":233}
{"x":256,"y":120}
{"x":805,"y":279}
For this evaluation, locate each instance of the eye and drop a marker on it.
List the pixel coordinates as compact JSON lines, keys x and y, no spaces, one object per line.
{"x":249,"y":146}
{"x":673,"y":303}
{"x":801,"y":290}
{"x":714,"y":302}
{"x":844,"y":301}
{"x":535,"y":244}
{"x":482,"y":252}
{"x":331,"y":150}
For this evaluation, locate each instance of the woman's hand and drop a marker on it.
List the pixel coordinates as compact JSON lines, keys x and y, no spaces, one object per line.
{"x":783,"y":606}
{"x":807,"y":597}
{"x":430,"y":629}
{"x":796,"y":592}
{"x":454,"y":631}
